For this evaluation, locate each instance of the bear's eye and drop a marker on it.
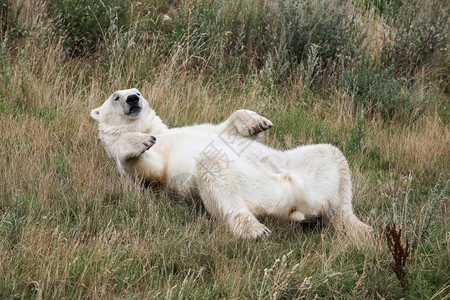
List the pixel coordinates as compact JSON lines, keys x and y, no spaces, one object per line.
{"x":117,"y":98}
{"x":138,"y":94}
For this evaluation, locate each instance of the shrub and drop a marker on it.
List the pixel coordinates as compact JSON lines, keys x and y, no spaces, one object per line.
{"x":84,"y":23}
{"x":420,"y":30}
{"x":379,"y":90}
{"x":196,"y":30}
{"x":297,"y":27}
{"x":274,"y":39}
{"x":326,"y":24}
{"x":380,"y":6}
{"x":220,"y":36}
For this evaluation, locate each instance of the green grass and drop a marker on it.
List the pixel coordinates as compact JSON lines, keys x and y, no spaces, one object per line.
{"x":72,"y":227}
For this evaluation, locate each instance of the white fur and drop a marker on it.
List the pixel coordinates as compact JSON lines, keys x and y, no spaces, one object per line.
{"x":238,"y":178}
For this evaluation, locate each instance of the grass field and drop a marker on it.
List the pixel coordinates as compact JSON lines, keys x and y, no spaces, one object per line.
{"x":71,"y":227}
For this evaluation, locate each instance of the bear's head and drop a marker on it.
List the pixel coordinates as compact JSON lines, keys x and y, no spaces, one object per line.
{"x":123,"y":104}
{"x":126,"y":111}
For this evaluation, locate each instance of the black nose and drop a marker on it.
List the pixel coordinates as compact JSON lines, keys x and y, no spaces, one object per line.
{"x":133,"y":99}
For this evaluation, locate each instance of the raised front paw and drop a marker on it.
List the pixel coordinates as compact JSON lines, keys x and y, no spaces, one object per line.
{"x":135,"y":145}
{"x":249,"y":123}
{"x":148,"y":143}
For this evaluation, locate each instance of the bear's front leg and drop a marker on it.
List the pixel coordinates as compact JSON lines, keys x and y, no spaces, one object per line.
{"x":131,"y":145}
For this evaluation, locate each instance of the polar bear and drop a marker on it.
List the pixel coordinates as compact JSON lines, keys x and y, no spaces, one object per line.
{"x":238,"y":178}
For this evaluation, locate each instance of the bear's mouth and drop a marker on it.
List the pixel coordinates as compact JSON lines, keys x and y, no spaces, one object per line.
{"x":134,"y":110}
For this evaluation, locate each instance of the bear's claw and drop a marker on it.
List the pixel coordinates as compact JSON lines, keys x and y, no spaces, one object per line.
{"x":249,"y":123}
{"x":150,"y":142}
{"x":262,"y":125}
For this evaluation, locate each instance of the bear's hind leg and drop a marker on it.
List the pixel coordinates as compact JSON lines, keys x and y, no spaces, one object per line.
{"x":223,"y":199}
{"x":346,"y":223}
{"x":342,"y":217}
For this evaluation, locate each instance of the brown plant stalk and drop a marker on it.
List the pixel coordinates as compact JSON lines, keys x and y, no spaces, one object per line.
{"x":400,"y":254}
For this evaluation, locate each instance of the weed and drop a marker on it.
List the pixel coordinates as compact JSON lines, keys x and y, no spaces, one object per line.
{"x":277,"y":280}
{"x":437,"y":196}
{"x":353,"y":142}
{"x":4,"y":61}
{"x":12,"y":223}
{"x":312,"y":63}
{"x":400,"y":254}
{"x":23,"y":71}
{"x":282,"y":141}
{"x":62,"y":163}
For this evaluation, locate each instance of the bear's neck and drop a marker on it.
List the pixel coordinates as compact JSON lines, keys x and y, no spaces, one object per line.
{"x":152,"y":124}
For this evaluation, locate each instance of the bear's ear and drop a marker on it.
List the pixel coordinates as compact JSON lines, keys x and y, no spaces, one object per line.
{"x":95,"y":114}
